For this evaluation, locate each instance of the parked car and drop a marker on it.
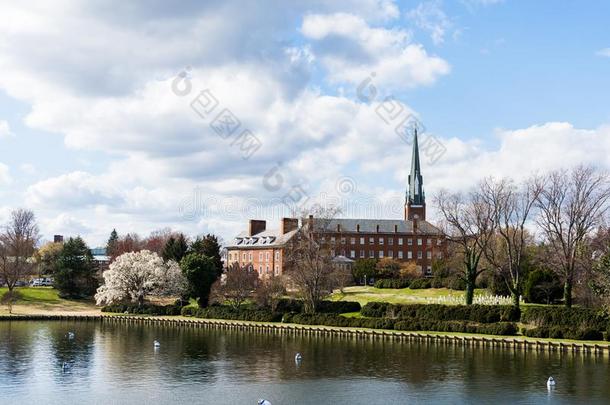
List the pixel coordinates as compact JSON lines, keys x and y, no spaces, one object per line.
{"x":42,"y":282}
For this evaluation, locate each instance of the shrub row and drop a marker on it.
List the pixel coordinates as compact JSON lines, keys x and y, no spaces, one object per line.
{"x":328,"y":307}
{"x":562,"y":332}
{"x":420,"y":283}
{"x":580,"y":318}
{"x":437,"y":312}
{"x":499,"y":328}
{"x":392,"y":283}
{"x":336,"y":320}
{"x":147,"y":309}
{"x":226,"y":312}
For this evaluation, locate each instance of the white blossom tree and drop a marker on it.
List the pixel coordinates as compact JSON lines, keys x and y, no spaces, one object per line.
{"x":135,"y":275}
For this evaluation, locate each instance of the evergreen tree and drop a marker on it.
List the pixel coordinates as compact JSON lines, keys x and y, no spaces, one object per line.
{"x":200,"y":272}
{"x":210,"y":247}
{"x":75,"y":273}
{"x":111,"y":246}
{"x":175,"y":248}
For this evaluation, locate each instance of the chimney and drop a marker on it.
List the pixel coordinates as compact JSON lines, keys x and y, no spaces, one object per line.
{"x":288,"y":224}
{"x":58,"y":238}
{"x":310,"y":222}
{"x":256,"y":226}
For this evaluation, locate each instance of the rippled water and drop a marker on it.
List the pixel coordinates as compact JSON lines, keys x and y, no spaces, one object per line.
{"x":111,"y":363}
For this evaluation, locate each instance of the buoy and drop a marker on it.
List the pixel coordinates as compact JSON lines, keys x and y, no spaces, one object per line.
{"x":298,"y":357}
{"x":550,"y":382}
{"x":65,"y":366}
{"x":263,"y":402}
{"x":157,"y":344}
{"x":71,"y":335}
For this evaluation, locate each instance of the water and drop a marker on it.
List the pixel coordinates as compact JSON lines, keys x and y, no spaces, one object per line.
{"x":111,"y":363}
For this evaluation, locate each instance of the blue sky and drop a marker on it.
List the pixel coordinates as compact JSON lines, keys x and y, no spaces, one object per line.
{"x":93,"y":137}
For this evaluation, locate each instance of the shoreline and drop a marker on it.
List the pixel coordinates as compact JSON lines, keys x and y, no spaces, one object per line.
{"x":447,"y":338}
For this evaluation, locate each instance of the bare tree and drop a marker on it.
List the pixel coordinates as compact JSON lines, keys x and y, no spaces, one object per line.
{"x":309,"y":266}
{"x":572,"y":205}
{"x":269,"y":292}
{"x":17,"y":247}
{"x":236,"y":287}
{"x":512,"y":207}
{"x":469,"y":225}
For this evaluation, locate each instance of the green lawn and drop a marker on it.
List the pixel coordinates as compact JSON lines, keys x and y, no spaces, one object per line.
{"x":398,"y":296}
{"x":45,"y":299}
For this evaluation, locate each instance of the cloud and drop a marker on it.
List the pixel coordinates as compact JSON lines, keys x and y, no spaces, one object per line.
{"x":5,"y":177}
{"x":5,"y":130}
{"x":430,"y":17}
{"x":65,"y":224}
{"x":603,"y":52}
{"x":350,"y":49}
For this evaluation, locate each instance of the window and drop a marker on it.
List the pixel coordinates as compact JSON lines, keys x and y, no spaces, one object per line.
{"x":250,"y":257}
{"x":343,"y":240}
{"x":362,"y":241}
{"x":438,"y":242}
{"x":439,"y":255}
{"x":332,"y":239}
{"x":400,"y":254}
{"x":244,"y":257}
{"x":429,"y":255}
{"x":267,"y":269}
{"x":277,"y":255}
{"x":419,"y":242}
{"x":332,"y":252}
{"x":352,"y":254}
{"x":372,"y":254}
{"x":260,"y":256}
{"x":419,"y":255}
{"x":277,"y":270}
{"x":428,"y":271}
{"x":260,"y":269}
{"x":352,"y":241}
{"x":381,"y":254}
{"x":409,"y":255}
{"x":267,"y":256}
{"x":381,"y":241}
{"x":429,"y":241}
{"x":390,"y":241}
{"x":400,"y":241}
{"x":322,"y":240}
{"x":390,"y":254}
{"x":362,"y":254}
{"x":371,"y":241}
{"x":409,"y":241}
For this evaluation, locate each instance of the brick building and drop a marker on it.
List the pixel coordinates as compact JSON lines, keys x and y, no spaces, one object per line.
{"x":409,"y":239}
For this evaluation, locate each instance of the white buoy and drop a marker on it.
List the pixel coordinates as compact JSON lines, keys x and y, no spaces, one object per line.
{"x":71,"y":335}
{"x":157,"y":344}
{"x":550,"y":382}
{"x":263,"y":402}
{"x":65,"y":366}
{"x":298,"y":357}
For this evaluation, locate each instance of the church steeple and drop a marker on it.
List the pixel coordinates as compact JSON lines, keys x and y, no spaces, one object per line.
{"x":415,"y":201}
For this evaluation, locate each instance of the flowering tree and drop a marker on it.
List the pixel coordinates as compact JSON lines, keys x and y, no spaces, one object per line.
{"x":135,"y":275}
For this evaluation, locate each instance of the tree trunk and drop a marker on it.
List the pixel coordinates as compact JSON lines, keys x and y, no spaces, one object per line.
{"x":567,"y":294}
{"x":470,"y":284}
{"x":515,"y":298}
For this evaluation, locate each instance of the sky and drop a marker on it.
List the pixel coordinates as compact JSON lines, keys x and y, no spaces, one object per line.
{"x":198,"y":116}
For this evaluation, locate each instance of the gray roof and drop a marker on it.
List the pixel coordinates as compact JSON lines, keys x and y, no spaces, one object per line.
{"x":264,"y":239}
{"x":370,"y":226}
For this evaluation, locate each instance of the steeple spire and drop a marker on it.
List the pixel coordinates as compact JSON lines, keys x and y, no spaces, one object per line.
{"x":415,"y":201}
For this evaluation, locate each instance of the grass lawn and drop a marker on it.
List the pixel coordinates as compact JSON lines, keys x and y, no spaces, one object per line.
{"x":41,"y":300}
{"x":363,"y":295}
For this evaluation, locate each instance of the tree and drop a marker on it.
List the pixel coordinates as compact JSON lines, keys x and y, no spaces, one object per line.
{"x":200,"y":272}
{"x":17,"y":246}
{"x":512,"y":207}
{"x":175,"y":248}
{"x":236,"y":286}
{"x":75,"y":275}
{"x":129,"y":243}
{"x":135,"y":275}
{"x":572,"y":205}
{"x":46,"y":257}
{"x":468,"y":223}
{"x":542,"y":287}
{"x":364,"y":269}
{"x":388,"y":268}
{"x":269,"y":292}
{"x":111,"y":245}
{"x":209,"y":246}
{"x":309,"y":265}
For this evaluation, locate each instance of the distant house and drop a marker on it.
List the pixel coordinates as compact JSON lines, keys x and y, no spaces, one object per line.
{"x":100,"y":259}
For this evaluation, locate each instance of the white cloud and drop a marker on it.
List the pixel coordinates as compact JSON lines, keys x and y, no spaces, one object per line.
{"x":430,"y":17}
{"x":5,"y":130}
{"x":5,"y":177}
{"x":350,"y":49}
{"x":603,"y":52}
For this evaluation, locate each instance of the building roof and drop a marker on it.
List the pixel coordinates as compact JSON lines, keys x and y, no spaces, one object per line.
{"x":264,"y":239}
{"x":370,"y":226}
{"x":342,"y":259}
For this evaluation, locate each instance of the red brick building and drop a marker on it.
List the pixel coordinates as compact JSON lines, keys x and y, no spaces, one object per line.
{"x":409,"y":239}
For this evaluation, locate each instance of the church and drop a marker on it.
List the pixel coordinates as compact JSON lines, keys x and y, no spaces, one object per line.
{"x":412,"y":239}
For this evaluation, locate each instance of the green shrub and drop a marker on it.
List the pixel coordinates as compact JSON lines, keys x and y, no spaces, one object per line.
{"x":560,"y":316}
{"x":557,"y":332}
{"x":437,"y":282}
{"x":413,"y":324}
{"x":189,"y":311}
{"x":420,"y":283}
{"x":510,"y":314}
{"x":147,"y":309}
{"x":332,"y":307}
{"x":437,"y":312}
{"x":392,"y":283}
{"x":455,"y":283}
{"x":244,"y":314}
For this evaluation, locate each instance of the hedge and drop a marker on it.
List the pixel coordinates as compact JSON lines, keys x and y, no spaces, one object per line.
{"x":391,"y":283}
{"x":331,"y":307}
{"x":500,"y":328}
{"x":564,"y":332}
{"x":226,"y":312}
{"x":420,"y":283}
{"x":560,"y":316}
{"x":438,"y":312}
{"x":147,"y":309}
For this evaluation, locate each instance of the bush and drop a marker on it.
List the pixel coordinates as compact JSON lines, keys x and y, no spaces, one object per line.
{"x":456,"y":283}
{"x":420,"y":283}
{"x":571,"y":317}
{"x":557,"y":332}
{"x":510,"y":314}
{"x":331,"y":307}
{"x":189,"y":311}
{"x":392,"y":283}
{"x":413,"y":324}
{"x":244,"y":314}
{"x":147,"y":309}
{"x":437,"y":312}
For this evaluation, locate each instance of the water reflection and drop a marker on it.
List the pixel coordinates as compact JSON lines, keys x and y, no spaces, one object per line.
{"x":117,"y":363}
